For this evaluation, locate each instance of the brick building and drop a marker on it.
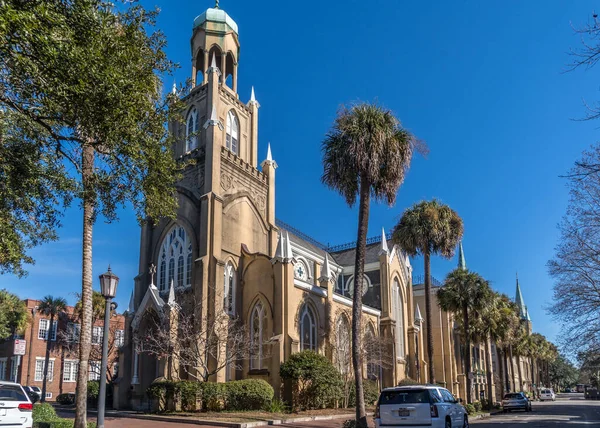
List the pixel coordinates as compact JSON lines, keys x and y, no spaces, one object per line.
{"x":28,"y":369}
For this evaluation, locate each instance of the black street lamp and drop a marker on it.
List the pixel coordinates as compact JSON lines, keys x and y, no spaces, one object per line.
{"x":108,"y":287}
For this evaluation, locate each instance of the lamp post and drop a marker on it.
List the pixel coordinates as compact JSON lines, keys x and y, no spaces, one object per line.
{"x":108,"y":287}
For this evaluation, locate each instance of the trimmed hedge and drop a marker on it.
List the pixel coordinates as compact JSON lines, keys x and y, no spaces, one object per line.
{"x":249,"y":394}
{"x":44,"y":416}
{"x":370,"y":391}
{"x":66,"y":398}
{"x":316,"y":383}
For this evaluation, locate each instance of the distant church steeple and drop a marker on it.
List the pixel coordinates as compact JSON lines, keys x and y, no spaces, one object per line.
{"x":520,"y":302}
{"x":462,"y":264}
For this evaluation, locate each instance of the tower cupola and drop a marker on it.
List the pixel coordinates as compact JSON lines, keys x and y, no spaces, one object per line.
{"x":215,"y":32}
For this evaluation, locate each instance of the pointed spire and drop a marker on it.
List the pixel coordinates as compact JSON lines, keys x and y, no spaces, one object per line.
{"x":171,"y":299}
{"x":527,"y":314}
{"x":174,"y":90}
{"x":418,"y":316}
{"x":269,"y":160}
{"x":519,"y":300}
{"x":462,"y":264}
{"x":288,"y":246}
{"x":253,"y":99}
{"x":216,"y":4}
{"x":269,"y":155}
{"x":214,"y":120}
{"x":213,"y":65}
{"x":326,"y":271}
{"x":284,"y":253}
{"x":384,"y":246}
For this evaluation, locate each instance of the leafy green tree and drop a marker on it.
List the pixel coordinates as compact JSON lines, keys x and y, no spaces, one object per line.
{"x":366,"y":154}
{"x":87,"y":75}
{"x":428,"y":228}
{"x":563,"y":374}
{"x":51,"y":307}
{"x":464,"y":293}
{"x":13,"y":314}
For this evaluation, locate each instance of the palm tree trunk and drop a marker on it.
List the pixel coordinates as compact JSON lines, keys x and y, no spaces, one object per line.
{"x":488,"y":372}
{"x":500,"y":370}
{"x":507,"y":380}
{"x":520,"y":371}
{"x":89,"y":202}
{"x":512,"y":368}
{"x":430,"y":368}
{"x":359,"y":269}
{"x":47,"y":360}
{"x":465,"y":312}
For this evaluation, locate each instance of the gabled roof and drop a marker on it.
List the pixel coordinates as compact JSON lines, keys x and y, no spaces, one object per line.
{"x":151,"y":299}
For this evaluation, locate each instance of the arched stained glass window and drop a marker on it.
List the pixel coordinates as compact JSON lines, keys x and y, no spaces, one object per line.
{"x":191,"y":134}
{"x":398,"y":308}
{"x":229,"y":286}
{"x":175,"y":259}
{"x":232,"y":133}
{"x":258,"y":327}
{"x":308,"y":329}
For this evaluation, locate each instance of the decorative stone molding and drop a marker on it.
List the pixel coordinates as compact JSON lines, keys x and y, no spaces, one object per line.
{"x":231,"y":184}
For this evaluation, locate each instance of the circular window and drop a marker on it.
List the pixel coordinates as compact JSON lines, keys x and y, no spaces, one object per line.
{"x":301,"y":270}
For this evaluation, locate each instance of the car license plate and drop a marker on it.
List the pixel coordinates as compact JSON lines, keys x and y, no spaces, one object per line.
{"x":403,"y":412}
{"x":2,"y":412}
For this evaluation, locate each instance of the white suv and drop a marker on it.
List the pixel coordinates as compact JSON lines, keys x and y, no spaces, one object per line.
{"x":547,"y":394}
{"x":15,"y":406}
{"x":419,"y":405}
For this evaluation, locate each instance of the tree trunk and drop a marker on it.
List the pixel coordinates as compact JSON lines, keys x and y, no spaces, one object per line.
{"x":500,"y":370}
{"x":359,"y":269}
{"x":520,"y":371}
{"x":507,"y":380}
{"x":430,"y":368}
{"x":85,"y":340}
{"x":47,"y":360}
{"x":512,"y":368}
{"x":488,"y":372}
{"x":465,"y":313}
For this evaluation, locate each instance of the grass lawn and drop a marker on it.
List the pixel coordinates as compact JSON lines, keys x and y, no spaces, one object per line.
{"x":254,"y":416}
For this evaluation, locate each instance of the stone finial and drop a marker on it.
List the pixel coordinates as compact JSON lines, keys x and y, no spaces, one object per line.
{"x":253,"y":99}
{"x":269,"y":160}
{"x":214,"y":120}
{"x":418,"y":316}
{"x":213,"y":65}
{"x":384,"y":244}
{"x":326,"y":271}
{"x":152,"y":271}
{"x":171,"y":299}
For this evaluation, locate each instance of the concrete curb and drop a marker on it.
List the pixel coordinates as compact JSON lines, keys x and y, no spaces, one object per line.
{"x":190,"y":421}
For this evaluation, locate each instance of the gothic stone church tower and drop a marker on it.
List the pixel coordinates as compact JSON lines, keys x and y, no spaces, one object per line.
{"x":227,"y":250}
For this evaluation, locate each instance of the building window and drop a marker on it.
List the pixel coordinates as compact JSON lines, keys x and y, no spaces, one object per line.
{"x":73,"y":332}
{"x":2,"y":368}
{"x":176,"y":253}
{"x":97,"y":333}
{"x":70,"y":370}
{"x":372,"y":346}
{"x":365,"y":286}
{"x":94,"y":371}
{"x":44,"y":327}
{"x":48,"y":395}
{"x":398,"y":309}
{"x":229,"y":289}
{"x":119,"y":338}
{"x":301,"y":270}
{"x":258,"y":328}
{"x":39,"y":369}
{"x":343,"y":345}
{"x":232,"y":133}
{"x":14,"y":368}
{"x":191,"y":134}
{"x":308,"y":330}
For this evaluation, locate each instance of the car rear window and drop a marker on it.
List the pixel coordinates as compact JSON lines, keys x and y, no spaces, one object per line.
{"x":546,"y":391}
{"x":12,"y":393}
{"x":404,"y":397}
{"x":513,"y":396}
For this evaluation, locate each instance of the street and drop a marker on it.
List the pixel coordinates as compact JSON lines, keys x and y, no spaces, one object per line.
{"x":569,"y":410}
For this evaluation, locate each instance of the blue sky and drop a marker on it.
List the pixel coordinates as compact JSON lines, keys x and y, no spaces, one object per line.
{"x":483,"y":83}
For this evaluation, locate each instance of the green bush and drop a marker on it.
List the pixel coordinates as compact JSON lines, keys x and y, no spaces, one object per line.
{"x":370,"y":391}
{"x":67,"y":398}
{"x":315,"y":382}
{"x":188,"y":392}
{"x":477,"y":405}
{"x":470,"y":409}
{"x":408,"y":381}
{"x":44,"y":416}
{"x":162,"y":391}
{"x":278,"y":406}
{"x":60,"y":423}
{"x":249,"y":394}
{"x":93,"y":389}
{"x":213,"y":396}
{"x":43,"y":412}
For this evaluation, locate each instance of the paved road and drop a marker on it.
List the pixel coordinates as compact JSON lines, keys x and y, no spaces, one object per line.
{"x":569,"y":411}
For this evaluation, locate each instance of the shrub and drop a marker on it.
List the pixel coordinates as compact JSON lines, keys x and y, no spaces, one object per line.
{"x":189,"y":392}
{"x":161,"y":391}
{"x":44,"y":416}
{"x":213,"y":396}
{"x":477,"y":405}
{"x":93,"y":389}
{"x":316,"y":383}
{"x":43,"y":412}
{"x":370,"y":390}
{"x":470,"y":409}
{"x":249,"y":394}
{"x":278,"y":406}
{"x":408,"y":381}
{"x":67,"y":398}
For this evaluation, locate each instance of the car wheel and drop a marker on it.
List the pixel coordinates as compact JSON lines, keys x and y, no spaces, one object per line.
{"x":448,"y":424}
{"x":466,"y":422}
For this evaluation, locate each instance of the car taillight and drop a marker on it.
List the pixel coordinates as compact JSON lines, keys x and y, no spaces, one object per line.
{"x":26,"y":407}
{"x":434,"y":411}
{"x":376,"y":412}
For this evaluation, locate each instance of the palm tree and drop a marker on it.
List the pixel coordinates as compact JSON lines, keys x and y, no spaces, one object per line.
{"x":521,"y":349}
{"x":464,"y":293}
{"x":428,"y":228}
{"x":366,"y":153}
{"x":98,"y":303}
{"x":52,"y":307}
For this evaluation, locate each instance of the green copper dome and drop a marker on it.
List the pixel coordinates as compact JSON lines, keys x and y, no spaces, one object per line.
{"x":216,"y":15}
